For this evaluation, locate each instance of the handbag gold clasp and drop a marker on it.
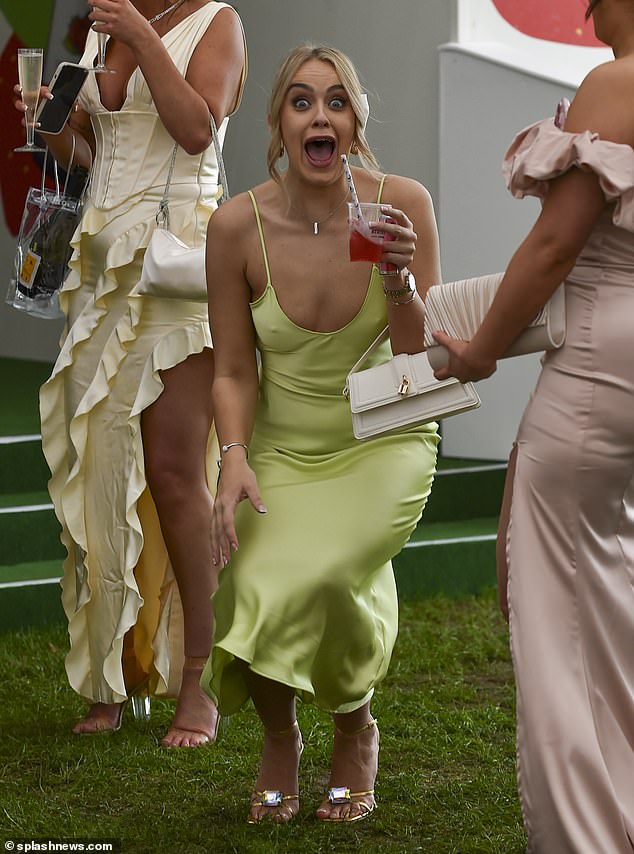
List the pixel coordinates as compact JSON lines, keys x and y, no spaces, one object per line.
{"x":404,"y":386}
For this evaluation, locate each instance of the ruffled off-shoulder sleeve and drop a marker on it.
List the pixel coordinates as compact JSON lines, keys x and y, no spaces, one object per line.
{"x":542,"y":152}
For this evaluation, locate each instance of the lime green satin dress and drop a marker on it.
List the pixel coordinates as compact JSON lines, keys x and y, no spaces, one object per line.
{"x":309,"y":598}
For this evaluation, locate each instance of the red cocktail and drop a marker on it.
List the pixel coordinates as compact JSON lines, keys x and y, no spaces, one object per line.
{"x":364,"y":246}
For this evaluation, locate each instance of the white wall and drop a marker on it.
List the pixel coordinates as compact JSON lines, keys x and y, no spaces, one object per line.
{"x":494,"y":82}
{"x":483,"y":106}
{"x":394,"y":46}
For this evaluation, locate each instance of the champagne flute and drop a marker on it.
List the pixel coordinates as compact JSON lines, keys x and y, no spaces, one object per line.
{"x":100,"y":67}
{"x":30,"y":61}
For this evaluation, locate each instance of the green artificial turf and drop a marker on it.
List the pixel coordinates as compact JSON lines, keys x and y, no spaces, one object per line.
{"x":20,"y":381}
{"x":446,"y":783}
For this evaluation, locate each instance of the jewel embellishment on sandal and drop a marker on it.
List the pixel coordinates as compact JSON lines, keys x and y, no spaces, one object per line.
{"x":339,"y":795}
{"x":271,"y":798}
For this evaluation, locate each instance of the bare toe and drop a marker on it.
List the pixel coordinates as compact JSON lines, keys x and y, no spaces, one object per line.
{"x":185,"y":738}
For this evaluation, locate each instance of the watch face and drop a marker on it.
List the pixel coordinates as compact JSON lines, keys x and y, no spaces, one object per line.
{"x":551,"y":20}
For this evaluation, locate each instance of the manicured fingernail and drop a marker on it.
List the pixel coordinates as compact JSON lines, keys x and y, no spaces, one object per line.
{"x":261,"y":509}
{"x":50,"y":96}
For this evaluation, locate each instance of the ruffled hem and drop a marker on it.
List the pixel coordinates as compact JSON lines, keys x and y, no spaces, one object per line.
{"x":542,"y":152}
{"x":100,"y":677}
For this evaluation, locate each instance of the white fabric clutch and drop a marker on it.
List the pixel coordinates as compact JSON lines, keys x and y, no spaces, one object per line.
{"x":401,"y":393}
{"x":171,"y":268}
{"x":458,"y":308}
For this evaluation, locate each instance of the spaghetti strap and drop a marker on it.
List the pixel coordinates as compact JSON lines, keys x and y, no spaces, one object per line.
{"x":259,"y":222}
{"x":380,"y":193}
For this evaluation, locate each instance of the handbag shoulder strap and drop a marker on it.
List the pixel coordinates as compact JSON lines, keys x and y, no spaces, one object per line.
{"x":56,"y":171}
{"x":380,"y":338}
{"x":163,"y":214}
{"x":380,"y":192}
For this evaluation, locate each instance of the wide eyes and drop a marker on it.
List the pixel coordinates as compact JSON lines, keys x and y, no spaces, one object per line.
{"x":303,"y":102}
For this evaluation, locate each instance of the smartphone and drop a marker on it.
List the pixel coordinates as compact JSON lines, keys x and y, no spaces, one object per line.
{"x":65,"y":85}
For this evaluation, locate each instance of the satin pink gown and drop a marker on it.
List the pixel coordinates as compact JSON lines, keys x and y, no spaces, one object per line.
{"x":570,"y":542}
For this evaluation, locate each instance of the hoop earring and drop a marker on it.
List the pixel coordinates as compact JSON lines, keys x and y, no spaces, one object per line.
{"x":281,"y":154}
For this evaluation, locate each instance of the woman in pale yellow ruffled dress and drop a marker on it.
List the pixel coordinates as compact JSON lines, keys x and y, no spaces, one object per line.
{"x":126,"y":414}
{"x":567,"y":526}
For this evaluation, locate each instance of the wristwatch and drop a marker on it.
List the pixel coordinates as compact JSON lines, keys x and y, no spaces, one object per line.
{"x":408,"y":289}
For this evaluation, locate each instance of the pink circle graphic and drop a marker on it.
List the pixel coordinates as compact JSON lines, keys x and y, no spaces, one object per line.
{"x":552,"y":20}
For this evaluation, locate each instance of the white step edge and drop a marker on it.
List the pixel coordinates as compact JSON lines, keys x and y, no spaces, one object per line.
{"x":14,"y":440}
{"x":450,"y":541}
{"x":26,"y":508}
{"x":472,"y":469}
{"x":35,"y":582}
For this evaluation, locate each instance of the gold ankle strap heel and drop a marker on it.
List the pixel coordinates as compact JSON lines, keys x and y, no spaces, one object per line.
{"x":342,"y":795}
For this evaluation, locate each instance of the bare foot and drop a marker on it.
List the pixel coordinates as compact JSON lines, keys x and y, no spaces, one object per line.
{"x":196,"y":719}
{"x":101,"y":717}
{"x":355,"y":762}
{"x":277,"y":784}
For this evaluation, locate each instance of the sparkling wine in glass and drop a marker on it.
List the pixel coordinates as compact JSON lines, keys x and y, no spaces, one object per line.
{"x":30,"y":61}
{"x":100,"y":67}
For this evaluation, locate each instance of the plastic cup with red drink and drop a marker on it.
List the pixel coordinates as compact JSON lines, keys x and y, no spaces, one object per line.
{"x":366,"y":243}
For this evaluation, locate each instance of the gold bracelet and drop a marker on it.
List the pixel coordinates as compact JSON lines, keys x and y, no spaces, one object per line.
{"x":403,"y":302}
{"x":228,"y":446}
{"x":409,"y":287}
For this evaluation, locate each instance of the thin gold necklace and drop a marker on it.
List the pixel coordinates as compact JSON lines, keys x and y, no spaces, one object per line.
{"x":165,"y":12}
{"x":317,"y":222}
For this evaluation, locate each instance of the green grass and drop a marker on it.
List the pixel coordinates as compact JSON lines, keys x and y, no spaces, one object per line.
{"x":446,"y":783}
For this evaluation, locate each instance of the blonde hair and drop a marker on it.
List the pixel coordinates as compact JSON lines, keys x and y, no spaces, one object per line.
{"x":351,"y":83}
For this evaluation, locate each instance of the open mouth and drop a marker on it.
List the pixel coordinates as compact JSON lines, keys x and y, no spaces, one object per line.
{"x":320,"y":150}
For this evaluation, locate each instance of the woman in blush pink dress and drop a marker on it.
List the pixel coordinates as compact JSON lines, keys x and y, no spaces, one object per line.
{"x":567,"y":523}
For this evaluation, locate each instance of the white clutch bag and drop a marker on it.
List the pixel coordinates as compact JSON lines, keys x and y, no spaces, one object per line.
{"x":401,"y":393}
{"x":458,"y":308}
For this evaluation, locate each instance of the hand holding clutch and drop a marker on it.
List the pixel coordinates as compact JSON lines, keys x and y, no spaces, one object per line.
{"x":458,"y":308}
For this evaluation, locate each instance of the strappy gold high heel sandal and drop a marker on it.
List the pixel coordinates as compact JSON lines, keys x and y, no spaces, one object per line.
{"x":342,"y":795}
{"x":273,"y":798}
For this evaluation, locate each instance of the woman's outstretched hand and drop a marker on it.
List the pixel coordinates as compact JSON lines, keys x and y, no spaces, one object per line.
{"x":463,"y":363}
{"x":237,"y":482}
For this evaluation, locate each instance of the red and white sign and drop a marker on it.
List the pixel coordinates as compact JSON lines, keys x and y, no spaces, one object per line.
{"x":552,"y":20}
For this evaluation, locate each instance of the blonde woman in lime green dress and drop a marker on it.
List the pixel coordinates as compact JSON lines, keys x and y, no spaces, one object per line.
{"x":307,"y":518}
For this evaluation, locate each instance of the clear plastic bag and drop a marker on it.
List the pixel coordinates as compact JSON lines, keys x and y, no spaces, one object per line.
{"x":43,"y":249}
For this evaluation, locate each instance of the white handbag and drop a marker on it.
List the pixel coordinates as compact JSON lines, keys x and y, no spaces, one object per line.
{"x":458,"y":308}
{"x":401,"y":393}
{"x":171,"y":268}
